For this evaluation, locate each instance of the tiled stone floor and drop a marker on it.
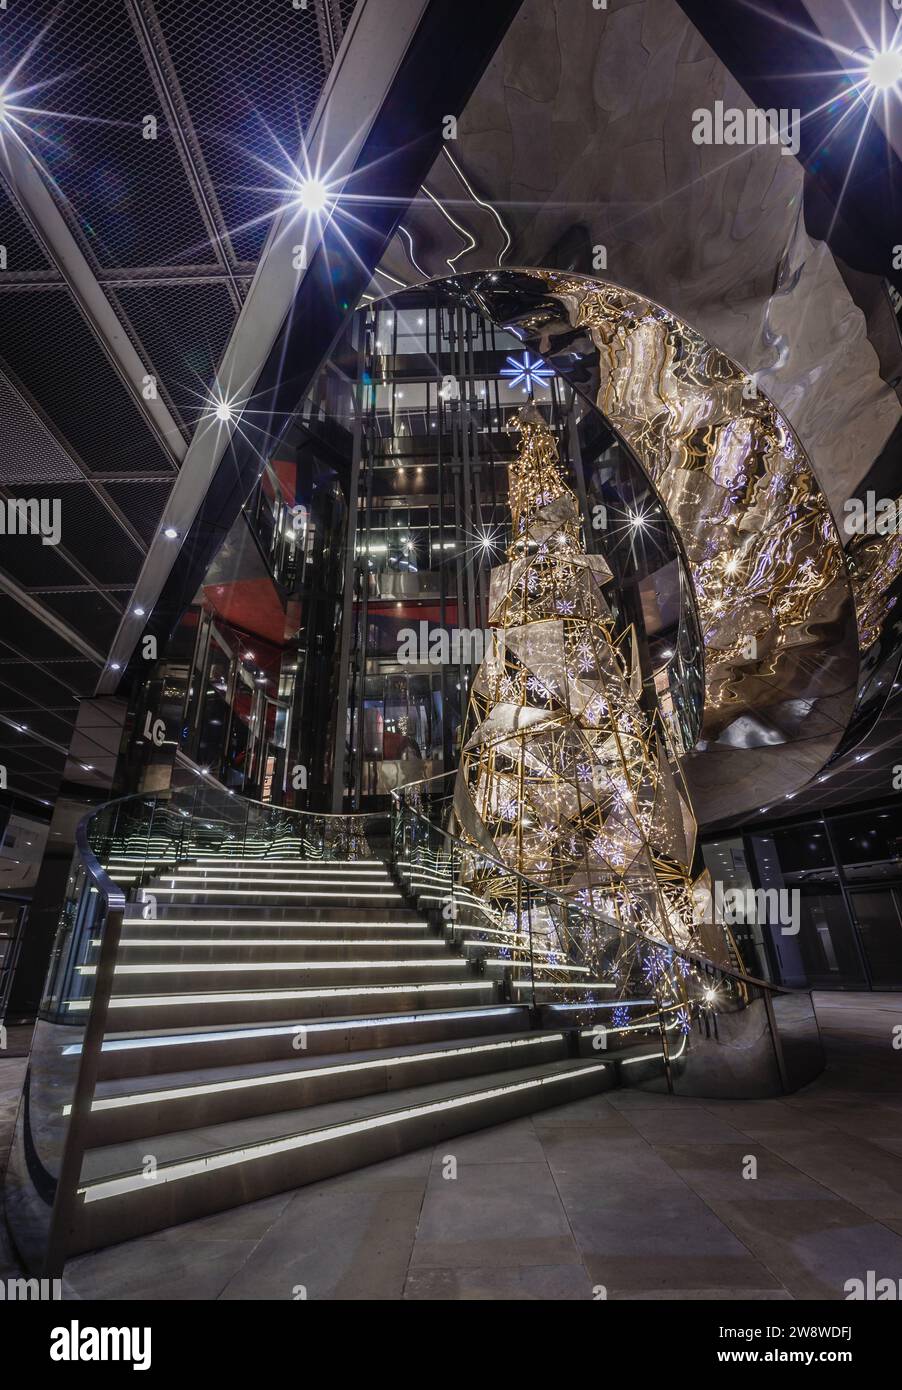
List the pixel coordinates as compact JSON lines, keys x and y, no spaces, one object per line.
{"x":643,"y":1195}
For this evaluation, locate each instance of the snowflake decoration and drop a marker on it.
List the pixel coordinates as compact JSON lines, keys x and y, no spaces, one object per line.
{"x":585,"y":658}
{"x":541,"y":689}
{"x":654,"y":967}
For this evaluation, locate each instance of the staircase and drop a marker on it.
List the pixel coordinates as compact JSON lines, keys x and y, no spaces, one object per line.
{"x":278,"y":1021}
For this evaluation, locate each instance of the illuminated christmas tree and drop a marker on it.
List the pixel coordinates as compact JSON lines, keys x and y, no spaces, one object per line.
{"x":564,"y":777}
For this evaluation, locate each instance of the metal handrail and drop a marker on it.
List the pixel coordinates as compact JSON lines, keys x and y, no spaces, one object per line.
{"x":539,"y":888}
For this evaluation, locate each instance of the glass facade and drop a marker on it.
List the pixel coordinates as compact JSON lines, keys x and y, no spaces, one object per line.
{"x":828,"y":898}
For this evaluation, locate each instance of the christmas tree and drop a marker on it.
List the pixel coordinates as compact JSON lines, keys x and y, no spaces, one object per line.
{"x":564,"y":777}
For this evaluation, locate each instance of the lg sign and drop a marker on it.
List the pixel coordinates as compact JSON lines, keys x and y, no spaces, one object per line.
{"x":154,"y":729}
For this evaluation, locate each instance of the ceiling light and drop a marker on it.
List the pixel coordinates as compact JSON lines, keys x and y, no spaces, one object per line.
{"x":312,"y":195}
{"x":115,"y":666}
{"x":171,"y":533}
{"x":885,"y":69}
{"x":139,"y":612}
{"x":223,"y":411}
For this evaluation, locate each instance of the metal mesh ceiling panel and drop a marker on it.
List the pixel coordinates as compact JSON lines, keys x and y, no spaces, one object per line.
{"x":22,"y":251}
{"x":80,"y":676}
{"x":346,"y":8}
{"x":32,"y":768}
{"x":90,"y":534}
{"x":32,"y":683}
{"x":250,"y":76}
{"x":30,"y":562}
{"x":142,"y":502}
{"x":30,"y":635}
{"x":53,"y":352}
{"x":130,"y":195}
{"x":30,"y":452}
{"x":87,"y":614}
{"x":49,"y":724}
{"x":185,"y":361}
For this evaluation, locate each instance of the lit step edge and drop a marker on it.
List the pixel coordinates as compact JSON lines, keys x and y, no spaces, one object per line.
{"x":209,"y":892}
{"x":275,"y":1030}
{"x":237,"y":966}
{"x":128,"y":1001}
{"x":274,"y":941}
{"x":266,"y":922}
{"x":318,"y":881}
{"x":227,"y":1158}
{"x":312,"y":1073}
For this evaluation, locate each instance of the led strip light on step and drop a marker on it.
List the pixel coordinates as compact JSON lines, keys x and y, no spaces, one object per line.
{"x":230,"y":942}
{"x":321,"y":880}
{"x":313,"y":1073}
{"x":268,"y":922}
{"x":140,"y":1001}
{"x":273,"y":875}
{"x":229,"y":1158}
{"x":268,"y":893}
{"x":276,"y":1030}
{"x":220,"y":967}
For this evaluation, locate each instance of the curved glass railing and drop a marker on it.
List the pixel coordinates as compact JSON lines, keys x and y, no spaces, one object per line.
{"x":676,"y":1018}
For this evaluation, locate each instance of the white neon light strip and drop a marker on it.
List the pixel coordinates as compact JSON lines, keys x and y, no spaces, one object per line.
{"x":222,"y":967}
{"x":267,"y":922}
{"x":208,"y":1163}
{"x":192,"y":876}
{"x":292,"y":1029}
{"x":138,"y":1001}
{"x":267,"y":893}
{"x":198,"y":870}
{"x":312,"y":1073}
{"x":230,"y":942}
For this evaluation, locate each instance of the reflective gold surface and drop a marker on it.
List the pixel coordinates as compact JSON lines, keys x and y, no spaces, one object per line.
{"x":772,"y":588}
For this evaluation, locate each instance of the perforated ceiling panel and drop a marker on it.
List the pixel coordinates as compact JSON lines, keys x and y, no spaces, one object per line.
{"x":31,"y":453}
{"x":250,"y":76}
{"x":53,"y":352}
{"x":91,"y":138}
{"x":185,"y":362}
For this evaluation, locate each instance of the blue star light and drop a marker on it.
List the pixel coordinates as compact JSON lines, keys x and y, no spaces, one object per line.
{"x":531,"y":371}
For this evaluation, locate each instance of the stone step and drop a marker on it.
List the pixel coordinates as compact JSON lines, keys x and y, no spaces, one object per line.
{"x":133,"y":1108}
{"x":196,"y":1047}
{"x":201,"y":1171}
